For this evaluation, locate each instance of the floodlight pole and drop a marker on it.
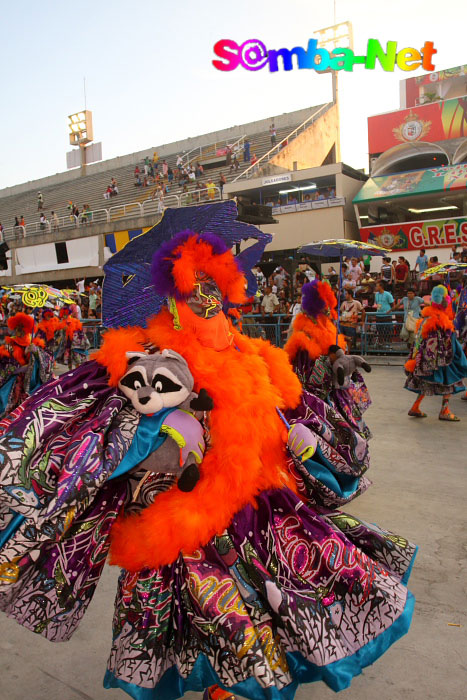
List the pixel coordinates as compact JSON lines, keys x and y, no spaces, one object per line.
{"x":335,"y":99}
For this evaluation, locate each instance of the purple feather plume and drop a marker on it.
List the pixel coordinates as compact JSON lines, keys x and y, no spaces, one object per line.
{"x":312,"y":303}
{"x":163,"y":259}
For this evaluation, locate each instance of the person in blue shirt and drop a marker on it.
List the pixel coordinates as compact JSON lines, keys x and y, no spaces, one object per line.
{"x":412,"y":305}
{"x":384,"y":302}
{"x":422,"y":261}
{"x":246,"y":151}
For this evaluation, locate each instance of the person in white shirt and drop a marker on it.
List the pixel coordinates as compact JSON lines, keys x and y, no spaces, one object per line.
{"x":80,"y":285}
{"x":269,"y":303}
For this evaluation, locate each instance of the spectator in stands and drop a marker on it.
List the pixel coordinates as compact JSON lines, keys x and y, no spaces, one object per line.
{"x":222,"y":182}
{"x":235,"y":165}
{"x":43,"y":225}
{"x":165,"y":169}
{"x":366,"y":259}
{"x":352,"y":313}
{"x":55,"y":222}
{"x":211,"y":187}
{"x":279,"y":277}
{"x":137,"y":172}
{"x":246,"y":151}
{"x":272,"y":131}
{"x":40,"y":201}
{"x":79,"y":284}
{"x":355,"y":271}
{"x":421,"y":262}
{"x":228,"y":155}
{"x":412,"y":306}
{"x":401,"y":273}
{"x":283,"y":302}
{"x":138,"y":183}
{"x":259,"y":276}
{"x":387,"y":272}
{"x":269,"y":303}
{"x":155,"y":158}
{"x":254,"y":160}
{"x":113,"y":184}
{"x":384,"y":302}
{"x":170,"y":174}
{"x":283,"y":144}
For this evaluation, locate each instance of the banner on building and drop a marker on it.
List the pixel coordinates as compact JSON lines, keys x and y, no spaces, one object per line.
{"x":442,"y":233}
{"x":436,"y":121}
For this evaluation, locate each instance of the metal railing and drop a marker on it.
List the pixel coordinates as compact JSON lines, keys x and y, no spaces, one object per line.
{"x":204,"y":151}
{"x":278,"y":146}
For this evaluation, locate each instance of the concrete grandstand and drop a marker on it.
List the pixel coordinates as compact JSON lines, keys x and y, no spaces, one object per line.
{"x":34,"y":250}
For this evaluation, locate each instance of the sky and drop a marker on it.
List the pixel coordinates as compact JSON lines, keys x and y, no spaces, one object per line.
{"x":150,"y":78}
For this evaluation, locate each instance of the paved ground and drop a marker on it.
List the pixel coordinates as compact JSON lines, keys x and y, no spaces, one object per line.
{"x":419,"y":470}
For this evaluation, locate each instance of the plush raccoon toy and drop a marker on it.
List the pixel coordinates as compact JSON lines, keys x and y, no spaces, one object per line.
{"x":162,"y":380}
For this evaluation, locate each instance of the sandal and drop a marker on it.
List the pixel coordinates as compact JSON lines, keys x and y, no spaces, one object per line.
{"x":449,"y":417}
{"x":216,"y":693}
{"x":416,"y":414}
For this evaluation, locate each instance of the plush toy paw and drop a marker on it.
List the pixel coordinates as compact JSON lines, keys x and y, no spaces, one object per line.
{"x":203,"y":402}
{"x":189,"y":478}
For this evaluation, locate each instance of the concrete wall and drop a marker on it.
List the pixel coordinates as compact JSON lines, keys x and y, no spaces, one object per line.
{"x":311,"y":147}
{"x":232,"y":133}
{"x":296,"y":229}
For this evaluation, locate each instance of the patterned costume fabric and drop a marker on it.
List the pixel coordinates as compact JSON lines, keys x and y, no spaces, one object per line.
{"x":288,"y":589}
{"x":18,"y":381}
{"x":440,"y":363}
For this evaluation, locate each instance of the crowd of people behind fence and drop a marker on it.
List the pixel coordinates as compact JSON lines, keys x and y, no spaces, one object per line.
{"x":391,"y":298}
{"x":87,"y":298}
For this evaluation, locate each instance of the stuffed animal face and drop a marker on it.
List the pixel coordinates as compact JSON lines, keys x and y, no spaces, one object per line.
{"x":157,"y":381}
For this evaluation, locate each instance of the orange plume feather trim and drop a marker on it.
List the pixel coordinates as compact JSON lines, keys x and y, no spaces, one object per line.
{"x":20,"y":320}
{"x":434,"y":319}
{"x":72,"y":325}
{"x":247,"y":442}
{"x":315,"y":336}
{"x":112,"y":351}
{"x":410,"y":365}
{"x":196,"y":256}
{"x":39,"y":342}
{"x":49,"y":327}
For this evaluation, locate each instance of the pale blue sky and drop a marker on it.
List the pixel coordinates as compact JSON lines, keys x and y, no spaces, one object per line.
{"x":150,"y":79}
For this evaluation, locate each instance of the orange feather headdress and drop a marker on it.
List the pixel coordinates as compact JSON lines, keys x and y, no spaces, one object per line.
{"x":176,"y":263}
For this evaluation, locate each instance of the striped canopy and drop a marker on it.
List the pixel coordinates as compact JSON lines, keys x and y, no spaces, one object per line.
{"x":338,"y":247}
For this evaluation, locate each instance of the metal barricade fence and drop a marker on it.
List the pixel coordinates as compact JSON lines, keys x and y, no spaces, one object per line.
{"x":382,"y":334}
{"x":273,"y":328}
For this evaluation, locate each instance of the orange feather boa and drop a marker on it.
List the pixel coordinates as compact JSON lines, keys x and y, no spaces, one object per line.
{"x":49,"y":327}
{"x":72,"y":325}
{"x":247,"y":440}
{"x":433,"y":319}
{"x":315,"y":336}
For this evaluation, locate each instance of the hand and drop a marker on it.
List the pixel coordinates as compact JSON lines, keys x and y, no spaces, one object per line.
{"x":187,"y":432}
{"x":302,"y":441}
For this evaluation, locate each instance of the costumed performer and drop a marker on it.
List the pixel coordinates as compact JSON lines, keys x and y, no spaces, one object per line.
{"x":74,"y":344}
{"x":238,"y":582}
{"x":460,"y":323}
{"x":437,"y":365}
{"x":334,"y":412}
{"x":24,"y":365}
{"x":48,"y":329}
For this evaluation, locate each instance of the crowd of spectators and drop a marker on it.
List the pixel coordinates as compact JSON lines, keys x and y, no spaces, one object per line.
{"x":389,"y":301}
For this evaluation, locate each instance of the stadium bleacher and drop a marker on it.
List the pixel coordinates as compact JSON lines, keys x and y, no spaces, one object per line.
{"x":89,"y":189}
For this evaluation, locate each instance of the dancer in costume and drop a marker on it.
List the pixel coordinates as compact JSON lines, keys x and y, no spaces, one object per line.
{"x":240,"y":582}
{"x":74,"y":344}
{"x":460,"y":323}
{"x":24,"y":365}
{"x":437,"y":364}
{"x":334,"y":413}
{"x":48,"y":330}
